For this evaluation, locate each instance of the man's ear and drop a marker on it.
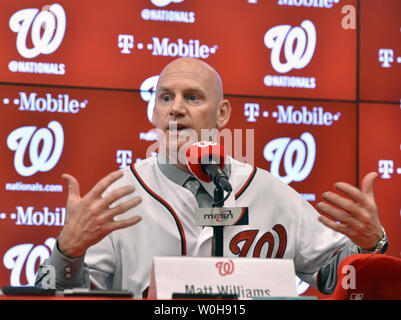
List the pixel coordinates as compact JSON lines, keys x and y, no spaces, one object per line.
{"x":223,"y":113}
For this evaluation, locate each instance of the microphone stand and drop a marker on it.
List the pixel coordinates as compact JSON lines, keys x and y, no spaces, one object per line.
{"x":218,"y":201}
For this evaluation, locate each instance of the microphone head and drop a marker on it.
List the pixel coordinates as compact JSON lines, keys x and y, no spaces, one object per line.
{"x":204,"y":152}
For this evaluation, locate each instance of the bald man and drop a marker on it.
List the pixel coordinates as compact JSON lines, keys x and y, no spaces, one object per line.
{"x":190,"y":94}
{"x":111,"y":235}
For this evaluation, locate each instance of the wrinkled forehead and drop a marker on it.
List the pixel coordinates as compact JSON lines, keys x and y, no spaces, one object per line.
{"x":193,"y":72}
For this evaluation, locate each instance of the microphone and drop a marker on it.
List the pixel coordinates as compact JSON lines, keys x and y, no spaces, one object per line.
{"x":206,"y":161}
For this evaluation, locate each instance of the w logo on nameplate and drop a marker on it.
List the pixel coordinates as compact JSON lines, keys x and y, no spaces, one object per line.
{"x":225,"y":267}
{"x":243,"y":277}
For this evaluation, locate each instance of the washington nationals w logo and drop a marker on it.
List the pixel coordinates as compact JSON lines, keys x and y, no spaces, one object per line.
{"x":268,"y":245}
{"x":148,"y":91}
{"x":47,"y":30}
{"x":299,"y":44}
{"x":163,"y":3}
{"x":225,"y":267}
{"x":44,"y":150}
{"x":296,"y":168}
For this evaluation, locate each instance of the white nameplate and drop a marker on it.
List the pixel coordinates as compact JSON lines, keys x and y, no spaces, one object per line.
{"x":247,"y":278}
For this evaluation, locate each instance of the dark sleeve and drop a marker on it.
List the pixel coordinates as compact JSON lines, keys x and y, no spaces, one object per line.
{"x":327,"y":274}
{"x":59,"y":272}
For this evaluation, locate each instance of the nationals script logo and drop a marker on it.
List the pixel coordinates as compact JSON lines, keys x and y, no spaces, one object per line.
{"x":44,"y":150}
{"x":284,"y":149}
{"x":148,"y":91}
{"x":299,"y":44}
{"x":22,"y":260}
{"x":47,"y":29}
{"x":225,"y":267}
{"x":163,"y":3}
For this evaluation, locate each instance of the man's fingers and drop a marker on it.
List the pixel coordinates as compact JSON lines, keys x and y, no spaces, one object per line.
{"x":72,"y":184}
{"x":341,"y":217}
{"x":336,"y":214}
{"x":103,"y":184}
{"x":368,"y":183}
{"x":341,"y":202}
{"x":350,"y":191}
{"x":354,"y":211}
{"x":117,"y":194}
{"x":356,"y":194}
{"x":350,"y":232}
{"x":123,"y":207}
{"x":121,"y":224}
{"x":332,"y":224}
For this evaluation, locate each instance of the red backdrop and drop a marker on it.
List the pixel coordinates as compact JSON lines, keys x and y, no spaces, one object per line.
{"x":76,"y":82}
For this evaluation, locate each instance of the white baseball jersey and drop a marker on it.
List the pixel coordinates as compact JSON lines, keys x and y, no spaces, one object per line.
{"x":281,"y":225}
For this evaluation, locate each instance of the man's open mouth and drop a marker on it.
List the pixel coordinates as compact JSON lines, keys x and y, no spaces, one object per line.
{"x":176,"y":127}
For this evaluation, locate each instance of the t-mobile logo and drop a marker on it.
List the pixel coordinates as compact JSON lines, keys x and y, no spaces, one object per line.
{"x":126,"y":42}
{"x":251,"y":111}
{"x":386,"y":57}
{"x":124,"y":158}
{"x":386,"y":168}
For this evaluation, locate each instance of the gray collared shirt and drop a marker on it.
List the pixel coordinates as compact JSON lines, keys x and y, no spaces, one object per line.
{"x":203,"y":191}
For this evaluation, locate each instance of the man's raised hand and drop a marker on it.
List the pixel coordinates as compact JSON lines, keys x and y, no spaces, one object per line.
{"x":89,"y":219}
{"x":355,"y":212}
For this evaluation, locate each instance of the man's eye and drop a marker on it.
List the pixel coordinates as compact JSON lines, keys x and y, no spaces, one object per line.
{"x":193,"y":98}
{"x":166,"y":98}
